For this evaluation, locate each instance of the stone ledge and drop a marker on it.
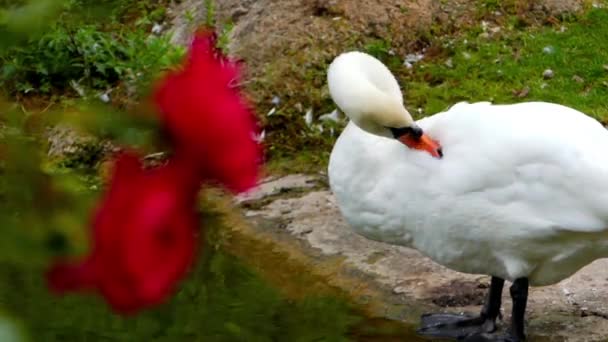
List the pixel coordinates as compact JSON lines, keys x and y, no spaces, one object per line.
{"x":406,"y":283}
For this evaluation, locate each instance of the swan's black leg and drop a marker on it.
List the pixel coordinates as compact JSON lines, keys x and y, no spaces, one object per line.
{"x":460,"y":326}
{"x":519,"y":295}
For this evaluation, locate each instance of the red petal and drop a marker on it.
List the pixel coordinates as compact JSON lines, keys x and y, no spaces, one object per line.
{"x":209,"y":119}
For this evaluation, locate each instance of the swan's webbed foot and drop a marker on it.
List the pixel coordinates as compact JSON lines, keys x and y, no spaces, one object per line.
{"x":480,"y":329}
{"x":482,"y":337}
{"x":455,"y":326}
{"x":461,"y":326}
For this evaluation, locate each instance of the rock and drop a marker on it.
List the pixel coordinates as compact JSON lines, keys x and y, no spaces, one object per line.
{"x":522,"y":92}
{"x":400,"y":290}
{"x":238,"y":12}
{"x":75,"y":149}
{"x":548,"y":74}
{"x":403,"y":283}
{"x":271,"y":187}
{"x":560,"y":7}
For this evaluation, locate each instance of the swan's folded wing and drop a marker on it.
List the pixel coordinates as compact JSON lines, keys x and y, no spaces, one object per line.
{"x":539,"y":161}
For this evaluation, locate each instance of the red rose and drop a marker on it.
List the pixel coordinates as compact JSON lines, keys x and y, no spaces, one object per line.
{"x":144,"y":236}
{"x":207,"y":117}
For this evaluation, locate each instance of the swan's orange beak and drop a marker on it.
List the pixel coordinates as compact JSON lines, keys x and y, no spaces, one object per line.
{"x":422,"y":143}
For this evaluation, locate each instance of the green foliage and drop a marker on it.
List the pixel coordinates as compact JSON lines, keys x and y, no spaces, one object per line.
{"x":210,"y":12}
{"x":80,"y":55}
{"x":22,"y":19}
{"x":11,"y":330}
{"x":41,"y":213}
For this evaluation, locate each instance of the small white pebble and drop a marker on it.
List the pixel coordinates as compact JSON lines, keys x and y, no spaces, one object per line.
{"x":549,"y":50}
{"x":104,"y":97}
{"x":275,"y":100}
{"x":260,"y":138}
{"x":333,"y":116}
{"x":412,"y":58}
{"x":548,"y":74}
{"x":250,"y":213}
{"x":157,"y":28}
{"x":399,"y":290}
{"x":308,"y":117}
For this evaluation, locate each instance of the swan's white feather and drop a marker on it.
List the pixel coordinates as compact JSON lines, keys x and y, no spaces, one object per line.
{"x":522,"y":189}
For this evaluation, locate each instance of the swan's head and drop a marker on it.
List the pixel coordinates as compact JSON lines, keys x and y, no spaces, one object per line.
{"x":368,"y":93}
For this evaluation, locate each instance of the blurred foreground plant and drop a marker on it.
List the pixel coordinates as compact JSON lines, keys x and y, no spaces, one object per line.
{"x":83,"y":50}
{"x":145,"y":229}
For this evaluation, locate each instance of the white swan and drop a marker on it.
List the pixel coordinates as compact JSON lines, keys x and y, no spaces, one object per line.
{"x":520,"y":191}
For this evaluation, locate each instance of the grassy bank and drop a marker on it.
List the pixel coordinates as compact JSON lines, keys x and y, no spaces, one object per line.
{"x":499,"y":59}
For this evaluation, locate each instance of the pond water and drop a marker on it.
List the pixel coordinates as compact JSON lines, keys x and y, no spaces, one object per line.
{"x":224,"y":299}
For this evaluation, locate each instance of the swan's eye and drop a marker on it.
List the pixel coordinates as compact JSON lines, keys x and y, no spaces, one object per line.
{"x":413,"y":131}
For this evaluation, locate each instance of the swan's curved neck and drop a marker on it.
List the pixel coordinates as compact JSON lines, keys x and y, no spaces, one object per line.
{"x":368,"y":93}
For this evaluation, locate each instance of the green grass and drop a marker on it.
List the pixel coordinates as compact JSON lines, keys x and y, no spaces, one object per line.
{"x":498,"y":69}
{"x":469,"y":64}
{"x":88,"y":49}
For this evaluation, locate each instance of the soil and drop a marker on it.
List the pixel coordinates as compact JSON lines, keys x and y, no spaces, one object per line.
{"x":267,"y":29}
{"x":287,"y":45}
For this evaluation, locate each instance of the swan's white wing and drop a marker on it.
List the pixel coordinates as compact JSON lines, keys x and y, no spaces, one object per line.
{"x":538,"y":161}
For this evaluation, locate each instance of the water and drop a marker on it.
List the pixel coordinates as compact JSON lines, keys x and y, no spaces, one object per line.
{"x":224,"y":299}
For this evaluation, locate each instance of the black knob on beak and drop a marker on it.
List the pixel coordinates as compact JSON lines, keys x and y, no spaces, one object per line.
{"x":413,"y":131}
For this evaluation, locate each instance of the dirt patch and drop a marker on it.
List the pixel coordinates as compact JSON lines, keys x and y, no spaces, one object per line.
{"x":458,"y":293}
{"x":288,"y":44}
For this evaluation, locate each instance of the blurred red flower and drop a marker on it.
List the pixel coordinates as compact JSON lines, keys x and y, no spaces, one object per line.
{"x":207,"y":117}
{"x":144,"y":236}
{"x":144,"y":232}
